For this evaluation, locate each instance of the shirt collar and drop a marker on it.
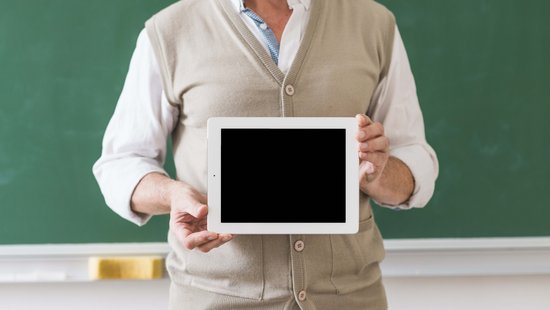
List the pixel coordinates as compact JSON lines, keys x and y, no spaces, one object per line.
{"x":239,"y":4}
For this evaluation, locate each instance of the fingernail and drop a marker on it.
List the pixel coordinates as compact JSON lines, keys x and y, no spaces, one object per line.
{"x":369,"y":167}
{"x":361,"y":135}
{"x":212,"y":237}
{"x":227,"y":238}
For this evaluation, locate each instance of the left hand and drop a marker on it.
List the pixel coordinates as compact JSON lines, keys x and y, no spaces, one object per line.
{"x":188,"y":211}
{"x":374,"y":149}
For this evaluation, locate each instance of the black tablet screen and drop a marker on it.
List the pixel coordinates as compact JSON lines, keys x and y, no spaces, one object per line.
{"x":283,"y":175}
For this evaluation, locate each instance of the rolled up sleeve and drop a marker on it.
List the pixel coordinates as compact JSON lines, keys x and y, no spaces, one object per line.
{"x":134,"y":143}
{"x":395,"y":104}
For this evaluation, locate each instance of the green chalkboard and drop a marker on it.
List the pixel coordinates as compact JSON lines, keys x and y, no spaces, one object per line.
{"x":483,"y":75}
{"x":62,"y":67}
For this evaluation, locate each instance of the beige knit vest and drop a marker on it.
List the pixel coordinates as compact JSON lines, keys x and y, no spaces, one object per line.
{"x":212,"y":65}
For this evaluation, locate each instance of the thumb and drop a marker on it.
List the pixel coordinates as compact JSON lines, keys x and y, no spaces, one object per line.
{"x":363,"y":120}
{"x":197,"y":209}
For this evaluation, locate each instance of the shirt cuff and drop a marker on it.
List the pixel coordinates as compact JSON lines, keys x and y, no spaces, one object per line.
{"x":424,"y":171}
{"x":118,"y":181}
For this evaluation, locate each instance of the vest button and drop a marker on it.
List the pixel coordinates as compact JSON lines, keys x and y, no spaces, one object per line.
{"x":299,"y":246}
{"x":302,"y":295}
{"x":289,"y":90}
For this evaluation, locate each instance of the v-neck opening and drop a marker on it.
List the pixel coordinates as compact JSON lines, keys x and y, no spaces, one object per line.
{"x":258,"y":49}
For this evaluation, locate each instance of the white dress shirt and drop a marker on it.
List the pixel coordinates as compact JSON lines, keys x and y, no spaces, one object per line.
{"x":135,"y":139}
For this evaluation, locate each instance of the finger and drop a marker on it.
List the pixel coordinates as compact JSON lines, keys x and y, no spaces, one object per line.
{"x":368,"y":167}
{"x":361,"y":135}
{"x":197,"y":209}
{"x":368,"y":170}
{"x":370,"y":131}
{"x":181,"y":230}
{"x":378,"y":144}
{"x":197,"y":239}
{"x":376,"y":158}
{"x":222,"y":239}
{"x":374,"y":130}
{"x":362,"y":120}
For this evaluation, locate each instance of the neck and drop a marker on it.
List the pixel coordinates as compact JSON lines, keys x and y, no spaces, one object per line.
{"x":268,"y":8}
{"x":267,"y":4}
{"x":274,"y":12}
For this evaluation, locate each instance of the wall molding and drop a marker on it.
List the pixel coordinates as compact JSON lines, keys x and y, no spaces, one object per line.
{"x":467,"y":257}
{"x":404,"y":258}
{"x":63,"y":262}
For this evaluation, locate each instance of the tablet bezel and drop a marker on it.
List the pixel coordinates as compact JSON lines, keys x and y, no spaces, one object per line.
{"x":214,"y":127}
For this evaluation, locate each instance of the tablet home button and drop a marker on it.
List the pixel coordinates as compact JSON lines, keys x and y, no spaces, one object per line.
{"x":299,"y":246}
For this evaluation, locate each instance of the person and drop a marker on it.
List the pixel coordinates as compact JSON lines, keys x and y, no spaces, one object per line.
{"x":198,"y":59}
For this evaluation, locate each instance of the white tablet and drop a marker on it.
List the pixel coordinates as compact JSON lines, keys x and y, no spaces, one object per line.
{"x":274,"y":175}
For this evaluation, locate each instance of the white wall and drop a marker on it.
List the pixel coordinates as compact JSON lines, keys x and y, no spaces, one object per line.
{"x":104,"y":295}
{"x":422,"y":293}
{"x":469,"y":293}
{"x":423,"y":274}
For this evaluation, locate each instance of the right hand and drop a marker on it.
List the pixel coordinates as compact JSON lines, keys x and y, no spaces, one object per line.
{"x":188,"y":219}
